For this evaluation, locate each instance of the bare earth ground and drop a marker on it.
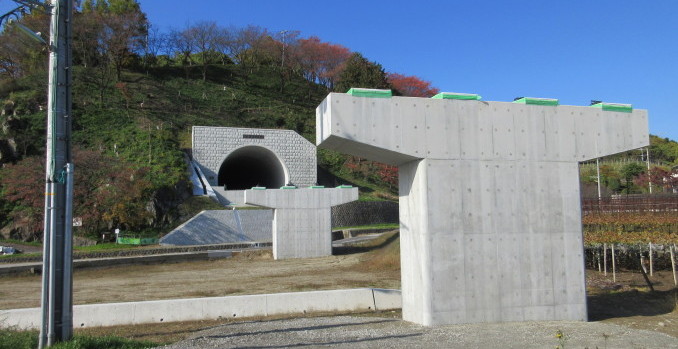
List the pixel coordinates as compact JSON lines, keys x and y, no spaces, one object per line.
{"x":246,"y":273}
{"x":627,"y":302}
{"x":237,"y":276}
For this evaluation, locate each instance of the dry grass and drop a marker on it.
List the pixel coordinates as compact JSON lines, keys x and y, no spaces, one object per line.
{"x":385,"y":258}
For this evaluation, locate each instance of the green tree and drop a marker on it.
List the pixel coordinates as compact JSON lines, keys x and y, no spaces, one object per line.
{"x":663,"y":150}
{"x":113,"y":29}
{"x":630,"y":171}
{"x":108,"y":192}
{"x":359,"y":72}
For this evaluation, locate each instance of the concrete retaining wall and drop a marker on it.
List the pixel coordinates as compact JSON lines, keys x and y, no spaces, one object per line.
{"x":111,"y":314}
{"x":359,"y":213}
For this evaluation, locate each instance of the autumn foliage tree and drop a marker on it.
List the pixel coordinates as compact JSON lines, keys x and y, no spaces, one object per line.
{"x":411,"y":86}
{"x":108,"y":193}
{"x":388,"y":174}
{"x":662,"y":179}
{"x":23,"y":188}
{"x":372,"y":171}
{"x":321,"y":62}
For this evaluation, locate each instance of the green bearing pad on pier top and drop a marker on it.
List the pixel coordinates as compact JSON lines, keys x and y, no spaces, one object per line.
{"x":453,"y":95}
{"x":370,"y":92}
{"x":537,"y":101}
{"x":624,"y":108}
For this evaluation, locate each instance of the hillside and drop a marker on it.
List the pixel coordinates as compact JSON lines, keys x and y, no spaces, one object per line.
{"x":137,"y":92}
{"x":145,"y":119}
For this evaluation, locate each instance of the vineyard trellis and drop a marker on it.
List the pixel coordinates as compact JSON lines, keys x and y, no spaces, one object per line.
{"x":640,"y":222}
{"x":631,"y":203}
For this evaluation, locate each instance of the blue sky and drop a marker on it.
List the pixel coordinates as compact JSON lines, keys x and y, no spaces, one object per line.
{"x":616,"y":51}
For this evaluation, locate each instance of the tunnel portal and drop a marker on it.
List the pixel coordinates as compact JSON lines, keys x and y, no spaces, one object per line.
{"x":251,"y":166}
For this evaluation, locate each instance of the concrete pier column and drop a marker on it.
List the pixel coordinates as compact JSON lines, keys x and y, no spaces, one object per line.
{"x":490,"y":215}
{"x":302,"y":218}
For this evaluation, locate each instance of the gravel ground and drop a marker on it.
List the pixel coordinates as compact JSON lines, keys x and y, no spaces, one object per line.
{"x":371,"y":332}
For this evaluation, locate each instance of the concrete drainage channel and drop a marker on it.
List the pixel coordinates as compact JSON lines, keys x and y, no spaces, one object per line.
{"x":191,"y":309}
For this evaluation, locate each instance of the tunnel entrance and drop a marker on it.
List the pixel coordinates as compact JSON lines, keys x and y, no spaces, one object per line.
{"x":252,"y":166}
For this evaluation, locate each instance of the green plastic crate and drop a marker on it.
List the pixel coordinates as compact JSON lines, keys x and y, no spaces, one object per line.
{"x":454,"y":95}
{"x":136,"y":241}
{"x":369,"y":92}
{"x":624,"y":108}
{"x":537,"y":101}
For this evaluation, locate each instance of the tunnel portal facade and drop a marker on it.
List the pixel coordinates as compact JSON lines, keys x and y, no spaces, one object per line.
{"x":241,"y":158}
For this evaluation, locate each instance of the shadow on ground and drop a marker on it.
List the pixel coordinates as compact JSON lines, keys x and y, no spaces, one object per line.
{"x":617,"y":304}
{"x":350,"y":249}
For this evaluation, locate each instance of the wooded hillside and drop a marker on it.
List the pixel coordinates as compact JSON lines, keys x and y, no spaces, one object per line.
{"x":137,"y":91}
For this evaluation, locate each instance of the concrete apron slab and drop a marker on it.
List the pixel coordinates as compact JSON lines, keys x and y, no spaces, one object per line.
{"x":191,"y":309}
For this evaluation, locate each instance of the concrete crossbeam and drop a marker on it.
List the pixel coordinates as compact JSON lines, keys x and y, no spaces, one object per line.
{"x":302,"y":221}
{"x":489,"y":198}
{"x":401,"y":129}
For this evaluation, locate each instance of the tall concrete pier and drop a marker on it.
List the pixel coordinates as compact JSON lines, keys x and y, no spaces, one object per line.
{"x":489,"y":198}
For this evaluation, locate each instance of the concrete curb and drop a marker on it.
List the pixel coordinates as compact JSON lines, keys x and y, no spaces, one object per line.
{"x":190,"y":309}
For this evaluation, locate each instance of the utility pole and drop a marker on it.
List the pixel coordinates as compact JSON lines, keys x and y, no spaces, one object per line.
{"x":282,"y":64}
{"x":649,"y":177}
{"x":57,"y":271}
{"x":598,"y":177}
{"x":57,"y":262}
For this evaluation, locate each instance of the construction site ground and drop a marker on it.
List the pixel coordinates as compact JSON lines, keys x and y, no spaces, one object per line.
{"x":626,"y":302}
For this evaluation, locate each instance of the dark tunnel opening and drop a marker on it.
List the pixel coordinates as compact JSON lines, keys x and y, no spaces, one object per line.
{"x":251,"y":166}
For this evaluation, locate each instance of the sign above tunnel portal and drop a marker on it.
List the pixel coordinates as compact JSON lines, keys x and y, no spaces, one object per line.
{"x":241,"y":158}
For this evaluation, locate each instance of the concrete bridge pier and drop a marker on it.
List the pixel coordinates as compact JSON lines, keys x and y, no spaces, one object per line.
{"x":302,"y":218}
{"x":490,"y":217}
